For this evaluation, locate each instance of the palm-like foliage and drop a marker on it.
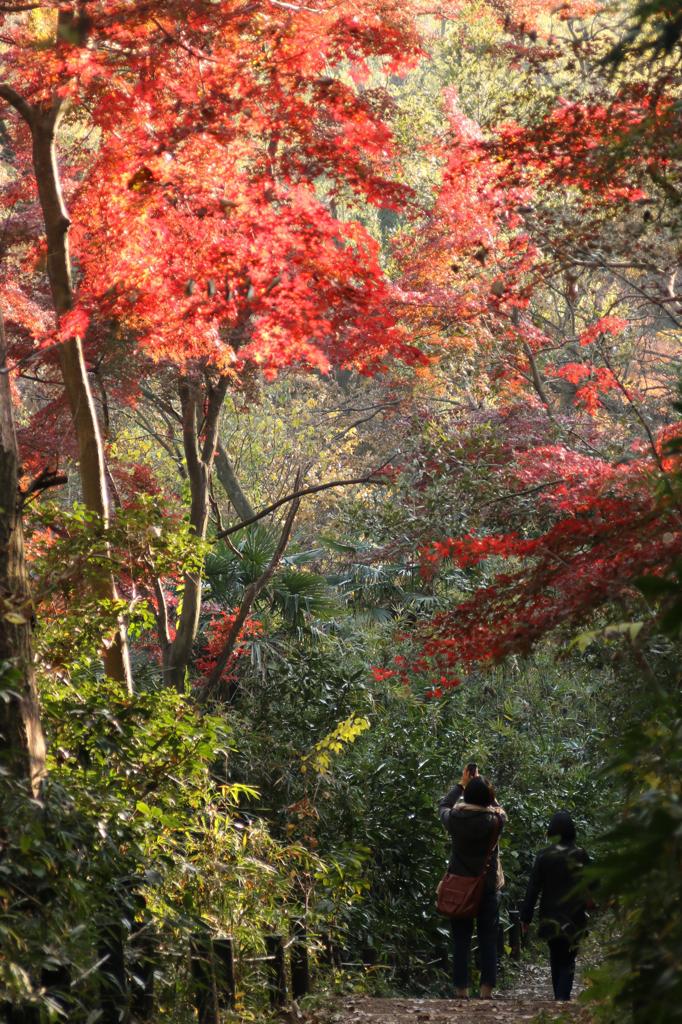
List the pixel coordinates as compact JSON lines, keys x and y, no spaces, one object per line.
{"x":300,"y":595}
{"x":296,"y":594}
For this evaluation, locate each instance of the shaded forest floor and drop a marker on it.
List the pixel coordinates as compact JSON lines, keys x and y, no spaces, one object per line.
{"x":507,"y":1009}
{"x":529,"y":998}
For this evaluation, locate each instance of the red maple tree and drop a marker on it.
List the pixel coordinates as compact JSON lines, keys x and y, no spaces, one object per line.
{"x":186,"y":223}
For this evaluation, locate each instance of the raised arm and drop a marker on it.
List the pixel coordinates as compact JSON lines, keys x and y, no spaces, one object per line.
{"x":452,"y":797}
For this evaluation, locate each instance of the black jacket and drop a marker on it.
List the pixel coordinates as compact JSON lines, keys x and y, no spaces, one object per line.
{"x":555,"y":878}
{"x":471,"y":830}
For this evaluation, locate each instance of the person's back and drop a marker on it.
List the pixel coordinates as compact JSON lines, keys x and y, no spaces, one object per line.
{"x":562,"y":905}
{"x":471,"y":829}
{"x":474,"y":824}
{"x":556,"y":879}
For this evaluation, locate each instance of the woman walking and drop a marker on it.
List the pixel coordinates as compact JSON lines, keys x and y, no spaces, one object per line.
{"x":555,"y":878}
{"x":474,"y":825}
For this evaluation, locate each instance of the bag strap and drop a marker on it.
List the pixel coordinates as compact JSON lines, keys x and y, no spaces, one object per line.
{"x":493,"y":843}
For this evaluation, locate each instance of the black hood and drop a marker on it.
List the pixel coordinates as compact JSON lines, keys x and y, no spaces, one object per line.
{"x":563,"y":826}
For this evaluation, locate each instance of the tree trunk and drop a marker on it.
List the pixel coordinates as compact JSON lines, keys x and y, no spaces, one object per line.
{"x":199,"y":458}
{"x":22,"y":745}
{"x":228,"y":478}
{"x":44,"y":123}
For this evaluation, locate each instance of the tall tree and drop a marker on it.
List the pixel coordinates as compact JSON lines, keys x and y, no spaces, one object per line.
{"x":22,"y":744}
{"x":43,"y":117}
{"x":200,"y":227}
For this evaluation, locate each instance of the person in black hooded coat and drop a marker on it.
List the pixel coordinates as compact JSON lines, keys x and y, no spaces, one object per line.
{"x":556,"y":878}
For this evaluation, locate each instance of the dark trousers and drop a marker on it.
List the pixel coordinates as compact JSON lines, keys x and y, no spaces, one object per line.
{"x":486,"y":931}
{"x":562,"y":954}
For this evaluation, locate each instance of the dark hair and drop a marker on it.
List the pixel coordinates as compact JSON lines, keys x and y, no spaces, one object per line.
{"x":563,"y":826}
{"x":479,"y":792}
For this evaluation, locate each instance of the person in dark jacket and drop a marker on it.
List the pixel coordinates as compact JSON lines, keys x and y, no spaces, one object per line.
{"x":555,"y":878}
{"x":473,"y":824}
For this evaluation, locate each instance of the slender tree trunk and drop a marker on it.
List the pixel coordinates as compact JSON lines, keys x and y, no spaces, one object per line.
{"x":199,"y":438}
{"x":22,"y":745}
{"x":228,"y":478}
{"x":44,"y":124}
{"x":213,"y":681}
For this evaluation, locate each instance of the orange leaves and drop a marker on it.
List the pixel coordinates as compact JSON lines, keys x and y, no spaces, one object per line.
{"x":207,"y":258}
{"x":613,"y":325}
{"x":604,"y":149}
{"x":466,"y":264}
{"x":214,"y":126}
{"x":73,"y":324}
{"x":594,"y":381}
{"x":217,"y":633}
{"x":24,"y":310}
{"x":589,"y":394}
{"x":612,"y":524}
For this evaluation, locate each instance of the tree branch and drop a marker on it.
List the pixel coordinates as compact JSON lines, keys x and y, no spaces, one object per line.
{"x":521,"y":494}
{"x":537,"y":379}
{"x":250,"y":595}
{"x":637,"y":411}
{"x":22,"y":106}
{"x":215,"y":507}
{"x":216,"y":397}
{"x":357,"y":423}
{"x":190,"y":427}
{"x":169,"y":447}
{"x":369,"y":479}
{"x":161,"y":403}
{"x":162,"y":617}
{"x":46,"y":478}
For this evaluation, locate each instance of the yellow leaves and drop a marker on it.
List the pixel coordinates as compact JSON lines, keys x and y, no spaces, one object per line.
{"x":43,"y":24}
{"x":628,"y":630}
{"x":15,"y":618}
{"x":16,"y":615}
{"x":345,"y":733}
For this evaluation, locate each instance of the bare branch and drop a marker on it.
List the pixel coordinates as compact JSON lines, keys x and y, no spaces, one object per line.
{"x":637,"y":411}
{"x":22,"y":106}
{"x":46,"y":478}
{"x":161,"y":403}
{"x":250,"y":595}
{"x":369,"y":479}
{"x":189,"y":401}
{"x":537,"y":379}
{"x":216,"y":397}
{"x":215,"y":507}
{"x":521,"y":494}
{"x":168,"y":446}
{"x":357,"y":423}
{"x":162,"y":616}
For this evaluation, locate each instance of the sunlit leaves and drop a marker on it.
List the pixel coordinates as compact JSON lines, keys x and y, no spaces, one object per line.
{"x":347,"y":731}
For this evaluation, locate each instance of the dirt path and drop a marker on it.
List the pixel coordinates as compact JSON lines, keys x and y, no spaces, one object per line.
{"x":510,"y":1009}
{"x":528,"y":998}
